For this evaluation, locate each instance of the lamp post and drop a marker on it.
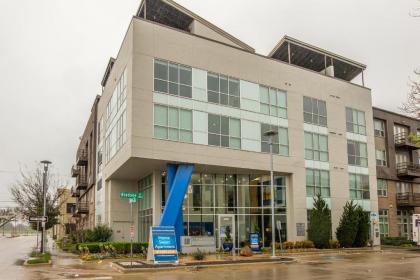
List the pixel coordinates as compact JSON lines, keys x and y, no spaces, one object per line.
{"x":270,"y":134}
{"x":44,"y":195}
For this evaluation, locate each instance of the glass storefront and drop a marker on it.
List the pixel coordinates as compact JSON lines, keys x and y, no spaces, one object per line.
{"x":145,"y":208}
{"x":246,"y":197}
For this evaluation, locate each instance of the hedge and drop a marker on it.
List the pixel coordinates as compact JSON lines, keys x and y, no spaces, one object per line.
{"x":120,"y":247}
{"x":396,"y":241}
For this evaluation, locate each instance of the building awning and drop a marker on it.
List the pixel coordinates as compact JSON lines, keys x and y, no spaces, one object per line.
{"x":299,"y":53}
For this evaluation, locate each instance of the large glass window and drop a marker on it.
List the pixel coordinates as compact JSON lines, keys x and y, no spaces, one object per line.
{"x":273,"y":102}
{"x":317,"y":182}
{"x":224,"y":131}
{"x":404,"y":221}
{"x":382,"y":188}
{"x":223,"y":90}
{"x":145,"y":186}
{"x":403,"y":187}
{"x":247,"y":197}
{"x":280,"y":141}
{"x":355,"y":121}
{"x":172,"y":78}
{"x":379,"y":126}
{"x":383,"y":223}
{"x":359,"y":186}
{"x":380,"y":157}
{"x":172,"y":123}
{"x":314,"y":111}
{"x":316,"y":146}
{"x":357,"y":153}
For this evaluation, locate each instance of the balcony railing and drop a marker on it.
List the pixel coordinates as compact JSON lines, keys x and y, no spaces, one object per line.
{"x":403,"y":140}
{"x":81,"y":180}
{"x":82,"y":207}
{"x":82,"y":157}
{"x":408,"y":199}
{"x":75,"y":171}
{"x":408,"y":169}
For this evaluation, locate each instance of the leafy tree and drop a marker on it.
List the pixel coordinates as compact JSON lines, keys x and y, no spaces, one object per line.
{"x":319,"y":230}
{"x":412,"y":105}
{"x":27,"y":192}
{"x":363,"y":228}
{"x":347,"y":229}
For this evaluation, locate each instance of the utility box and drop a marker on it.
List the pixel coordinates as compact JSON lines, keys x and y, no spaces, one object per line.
{"x":416,"y":228}
{"x":190,"y":244}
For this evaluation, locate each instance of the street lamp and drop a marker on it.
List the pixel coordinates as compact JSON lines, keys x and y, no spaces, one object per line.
{"x":44,"y":195}
{"x":270,"y":134}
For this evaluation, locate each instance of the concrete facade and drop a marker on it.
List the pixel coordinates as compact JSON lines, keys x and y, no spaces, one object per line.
{"x":140,"y":153}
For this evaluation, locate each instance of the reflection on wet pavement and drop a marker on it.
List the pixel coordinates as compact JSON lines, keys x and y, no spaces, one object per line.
{"x":387,"y":265}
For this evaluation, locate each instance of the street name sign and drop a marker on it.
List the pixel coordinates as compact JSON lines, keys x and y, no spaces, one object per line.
{"x":131,"y":195}
{"x":38,"y":219}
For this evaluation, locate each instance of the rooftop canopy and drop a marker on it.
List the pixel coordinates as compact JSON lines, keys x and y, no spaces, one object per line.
{"x":170,"y":13}
{"x":298,"y":53}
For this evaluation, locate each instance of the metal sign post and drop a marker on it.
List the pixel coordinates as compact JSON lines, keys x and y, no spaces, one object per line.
{"x":132,"y":198}
{"x":278,"y":223}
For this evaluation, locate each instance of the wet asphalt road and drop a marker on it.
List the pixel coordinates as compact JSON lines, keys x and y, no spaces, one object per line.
{"x":386,"y":265}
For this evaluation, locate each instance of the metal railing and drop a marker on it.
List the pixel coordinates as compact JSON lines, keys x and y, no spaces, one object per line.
{"x":408,"y":169}
{"x":75,"y":170}
{"x":403,"y":138}
{"x":82,"y":207}
{"x":408,"y":199}
{"x":81,"y":156}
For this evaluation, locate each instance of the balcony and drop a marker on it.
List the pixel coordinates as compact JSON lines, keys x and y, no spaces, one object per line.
{"x":408,"y":199}
{"x":82,"y":208}
{"x":75,"y":171}
{"x":82,"y":157}
{"x":404,"y":141}
{"x":81,"y":181}
{"x":408,"y":170}
{"x":75,"y":192}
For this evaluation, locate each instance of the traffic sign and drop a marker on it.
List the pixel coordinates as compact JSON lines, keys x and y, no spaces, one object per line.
{"x":131,"y":195}
{"x":38,"y":219}
{"x":132,"y":231}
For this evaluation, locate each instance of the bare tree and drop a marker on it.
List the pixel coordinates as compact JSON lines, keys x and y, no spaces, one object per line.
{"x":412,"y":105}
{"x":28,"y":194}
{"x":415,"y":12}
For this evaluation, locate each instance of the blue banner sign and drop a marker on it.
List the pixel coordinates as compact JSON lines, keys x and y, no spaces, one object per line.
{"x":254,"y":241}
{"x":164,"y":244}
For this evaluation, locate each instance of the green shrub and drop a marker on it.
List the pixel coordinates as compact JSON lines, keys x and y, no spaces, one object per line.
{"x":288,"y":245}
{"x":118,"y":247}
{"x":298,"y":245}
{"x":347,"y":229}
{"x":363,"y":228}
{"x":198,"y":255}
{"x":319,"y":228}
{"x":334,"y":244}
{"x":308,"y":244}
{"x":39,"y":258}
{"x":396,"y":241}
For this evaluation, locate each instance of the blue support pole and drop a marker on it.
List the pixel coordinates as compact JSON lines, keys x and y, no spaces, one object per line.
{"x":178,"y":177}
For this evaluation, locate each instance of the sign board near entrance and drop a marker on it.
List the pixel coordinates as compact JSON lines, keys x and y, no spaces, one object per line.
{"x":164,"y":244}
{"x":254,"y":241}
{"x":300,"y":229}
{"x":131,"y":195}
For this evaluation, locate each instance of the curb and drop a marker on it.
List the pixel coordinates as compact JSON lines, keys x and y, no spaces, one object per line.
{"x":216,"y":264}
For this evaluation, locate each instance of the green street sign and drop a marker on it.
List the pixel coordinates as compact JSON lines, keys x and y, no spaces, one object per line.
{"x":131,"y":195}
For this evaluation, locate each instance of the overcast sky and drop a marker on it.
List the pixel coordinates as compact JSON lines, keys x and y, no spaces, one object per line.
{"x":53,"y":54}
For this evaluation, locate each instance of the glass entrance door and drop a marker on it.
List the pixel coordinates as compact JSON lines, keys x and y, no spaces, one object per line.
{"x":225,"y":221}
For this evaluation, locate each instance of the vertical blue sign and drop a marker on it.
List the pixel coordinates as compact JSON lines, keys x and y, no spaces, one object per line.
{"x":164,"y":244}
{"x":254,"y":241}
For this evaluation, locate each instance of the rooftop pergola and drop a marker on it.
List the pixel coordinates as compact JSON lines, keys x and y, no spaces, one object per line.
{"x":299,"y":53}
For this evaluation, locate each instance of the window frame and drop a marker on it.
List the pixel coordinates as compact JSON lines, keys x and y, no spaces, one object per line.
{"x":178,"y":128}
{"x":355,"y":123}
{"x":178,"y":84}
{"x":357,"y":157}
{"x":222,"y":134}
{"x":317,"y":185}
{"x":277,"y":146}
{"x":312,"y":150}
{"x":362,"y":192}
{"x":228,"y":94}
{"x":271,"y":106}
{"x":382,"y":188}
{"x":379,"y":132}
{"x":314,"y":114}
{"x":380,"y":161}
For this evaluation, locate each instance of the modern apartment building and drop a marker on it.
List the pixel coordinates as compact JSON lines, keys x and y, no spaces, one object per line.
{"x":182,"y":91}
{"x":84,"y":171}
{"x":398,"y":172}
